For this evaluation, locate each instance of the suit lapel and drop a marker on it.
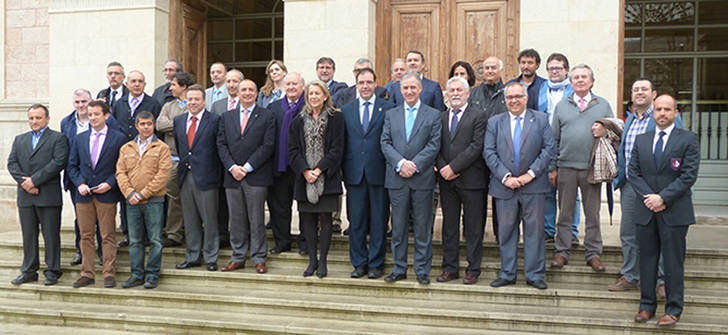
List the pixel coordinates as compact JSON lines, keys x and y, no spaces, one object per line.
{"x":355,"y":121}
{"x":464,"y":118}
{"x":104,"y":146}
{"x":236,"y":120}
{"x":506,"y":131}
{"x":444,"y":118}
{"x":527,"y":123}
{"x":251,"y":118}
{"x":201,"y":127}
{"x":43,"y":138}
{"x":419,"y":118}
{"x":668,"y":147}
{"x":377,"y":114}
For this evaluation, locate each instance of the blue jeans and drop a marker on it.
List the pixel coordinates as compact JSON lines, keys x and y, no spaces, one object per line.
{"x":150,"y":215}
{"x":550,"y":214}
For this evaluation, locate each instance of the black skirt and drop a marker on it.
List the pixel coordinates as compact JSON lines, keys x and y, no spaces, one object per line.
{"x":327,"y":204}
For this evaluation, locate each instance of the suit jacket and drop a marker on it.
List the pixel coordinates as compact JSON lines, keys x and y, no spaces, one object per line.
{"x":464,"y":151}
{"x":536,"y":151}
{"x":105,"y":93}
{"x":422,"y":147}
{"x":348,"y":94}
{"x":255,"y":146}
{"x":209,"y":99}
{"x":162,"y":94}
{"x":80,"y":170}
{"x":221,"y":106}
{"x":431,"y":94}
{"x":201,"y":160}
{"x":277,"y":110}
{"x":43,"y":165}
{"x":68,"y":128}
{"x":122,"y":112}
{"x":336,"y":86}
{"x":330,"y":164}
{"x":672,"y":179}
{"x":363,"y":156}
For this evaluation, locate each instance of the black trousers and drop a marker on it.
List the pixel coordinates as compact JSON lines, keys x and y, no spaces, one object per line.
{"x":453,"y":200}
{"x":49,"y":220}
{"x":280,"y":202}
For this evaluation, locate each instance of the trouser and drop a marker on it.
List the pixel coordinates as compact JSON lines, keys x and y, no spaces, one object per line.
{"x":419,"y":203}
{"x":200,"y":213}
{"x":470,"y":201}
{"x":628,"y":236}
{"x":311,"y":221}
{"x":280,"y":202}
{"x":49,"y":219}
{"x":526,"y":208}
{"x":145,"y":217}
{"x":550,"y":214}
{"x":367,"y":206}
{"x":174,"y":226}
{"x":77,"y":231}
{"x":94,"y":216}
{"x":246,"y":206}
{"x":569,"y":180}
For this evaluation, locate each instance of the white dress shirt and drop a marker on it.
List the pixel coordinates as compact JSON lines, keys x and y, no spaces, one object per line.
{"x":667,"y":131}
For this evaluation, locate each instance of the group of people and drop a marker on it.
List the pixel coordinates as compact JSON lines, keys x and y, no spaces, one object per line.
{"x":196,"y":166}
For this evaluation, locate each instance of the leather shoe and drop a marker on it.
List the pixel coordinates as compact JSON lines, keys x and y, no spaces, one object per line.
{"x":50,"y":281}
{"x":76,"y":260}
{"x":470,"y":279}
{"x":346,"y":232}
{"x":643,"y":316}
{"x":124,"y":242}
{"x":539,"y":284}
{"x":668,"y":320}
{"x":596,"y":264}
{"x":187,"y":265}
{"x":24,"y":278}
{"x":261,"y":268}
{"x":375,"y":273}
{"x":393,"y":277}
{"x":621,"y":285}
{"x":501,"y":282}
{"x":132,"y":282}
{"x":336,"y":228}
{"x":232,"y":266}
{"x":558,"y":261}
{"x":83,"y":281}
{"x":211,"y":266}
{"x":169,"y":243}
{"x":661,"y":291}
{"x":278,"y":250}
{"x":151,"y":283}
{"x":110,"y":282}
{"x":423,"y":279}
{"x":359,"y":272}
{"x":446,"y":277}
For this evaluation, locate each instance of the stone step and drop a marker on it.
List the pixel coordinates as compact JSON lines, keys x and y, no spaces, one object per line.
{"x":57,"y":329}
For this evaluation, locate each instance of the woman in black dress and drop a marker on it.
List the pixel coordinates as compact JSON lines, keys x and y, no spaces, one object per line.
{"x":315,"y":148}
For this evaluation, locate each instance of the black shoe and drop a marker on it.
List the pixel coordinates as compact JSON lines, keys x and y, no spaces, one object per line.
{"x":539,"y":284}
{"x":76,"y":260}
{"x":302,"y":252}
{"x":101,"y":261}
{"x":187,"y":265}
{"x":169,"y":243}
{"x":132,"y":282}
{"x":268,"y":225}
{"x":322,"y":271}
{"x":278,"y":250}
{"x":501,"y":282}
{"x":346,"y":232}
{"x":359,"y":272}
{"x":24,"y":278}
{"x":375,"y":273}
{"x":423,"y":279}
{"x":211,"y":266}
{"x":389,"y":234}
{"x":124,"y":242}
{"x":549,"y":239}
{"x":151,"y":283}
{"x":336,"y":228}
{"x":393,"y":277}
{"x":50,"y":281}
{"x":310,"y":269}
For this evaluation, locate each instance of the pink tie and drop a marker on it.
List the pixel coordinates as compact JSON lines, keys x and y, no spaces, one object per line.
{"x":95,"y":151}
{"x":231,"y":104}
{"x":244,"y":122}
{"x":582,"y":104}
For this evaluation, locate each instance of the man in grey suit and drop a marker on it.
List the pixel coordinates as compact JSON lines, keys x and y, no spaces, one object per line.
{"x":410,"y":143}
{"x":519,"y":146}
{"x":35,"y":162}
{"x":230,"y":102}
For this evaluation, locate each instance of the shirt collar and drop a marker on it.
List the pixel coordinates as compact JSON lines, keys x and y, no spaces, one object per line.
{"x":667,"y":131}
{"x":328,"y":83}
{"x":461,"y":109}
{"x":416,"y":106}
{"x":587,"y":98}
{"x":250,"y":109}
{"x":513,"y":117}
{"x":646,"y":114}
{"x":40,"y":132}
{"x":198,"y":116}
{"x":140,"y":97}
{"x":371,"y":100}
{"x":102,"y":132}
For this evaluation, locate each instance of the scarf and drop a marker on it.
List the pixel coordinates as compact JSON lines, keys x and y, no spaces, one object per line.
{"x":604,"y":166}
{"x":544,"y":103}
{"x":313,"y":132}
{"x":289,"y":112}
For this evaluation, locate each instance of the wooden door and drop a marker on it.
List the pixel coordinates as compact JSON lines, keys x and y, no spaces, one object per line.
{"x":188,"y":37}
{"x":447,"y":31}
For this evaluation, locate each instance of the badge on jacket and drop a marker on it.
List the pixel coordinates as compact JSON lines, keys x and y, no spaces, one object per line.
{"x":675,"y":163}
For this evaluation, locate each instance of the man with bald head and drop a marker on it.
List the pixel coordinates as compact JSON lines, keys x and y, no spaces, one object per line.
{"x":431,"y":94}
{"x":230,"y":102}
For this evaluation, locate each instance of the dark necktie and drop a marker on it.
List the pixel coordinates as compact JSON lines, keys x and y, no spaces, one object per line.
{"x":454,"y":123}
{"x":113,"y":99}
{"x":658,"y":149}
{"x":365,"y":117}
{"x":517,"y":143}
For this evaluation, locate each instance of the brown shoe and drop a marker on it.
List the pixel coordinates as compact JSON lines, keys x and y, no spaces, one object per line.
{"x":110,"y":282}
{"x":558,"y":261}
{"x":470,"y":279}
{"x":83,"y":281}
{"x":232,"y":266}
{"x":622,"y":284}
{"x":643,"y":316}
{"x":446,"y":277}
{"x":661,"y":291}
{"x":596,"y":264}
{"x":261,"y":268}
{"x":668,"y":320}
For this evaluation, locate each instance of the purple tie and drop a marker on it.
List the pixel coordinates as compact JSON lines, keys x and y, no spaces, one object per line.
{"x":134,"y":105}
{"x":95,"y":151}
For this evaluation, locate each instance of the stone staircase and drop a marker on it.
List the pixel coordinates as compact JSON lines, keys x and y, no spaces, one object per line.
{"x":282,"y":301}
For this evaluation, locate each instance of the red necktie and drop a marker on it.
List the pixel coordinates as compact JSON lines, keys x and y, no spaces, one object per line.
{"x":191,"y":131}
{"x":244,"y":122}
{"x":231,"y":104}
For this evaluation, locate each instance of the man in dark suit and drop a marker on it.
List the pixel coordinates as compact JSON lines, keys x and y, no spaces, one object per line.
{"x":92,"y":168}
{"x":325,"y":69}
{"x":116,"y":89}
{"x":410,"y":143}
{"x":245,"y":142}
{"x":663,"y":168}
{"x":431,"y":91}
{"x":349,"y":94}
{"x":280,"y":194}
{"x":162,"y":93}
{"x":199,"y":175}
{"x":463,"y":182}
{"x":519,"y":146}
{"x":35,"y":162}
{"x":125,"y":111}
{"x":367,"y":202}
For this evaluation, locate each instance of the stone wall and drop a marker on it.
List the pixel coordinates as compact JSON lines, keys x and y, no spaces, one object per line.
{"x":26,"y":49}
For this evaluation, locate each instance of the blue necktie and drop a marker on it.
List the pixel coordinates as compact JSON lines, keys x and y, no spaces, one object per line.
{"x":658,"y":150}
{"x":34,"y":140}
{"x":517,"y":142}
{"x":365,"y":117}
{"x":410,"y":121}
{"x":454,"y":123}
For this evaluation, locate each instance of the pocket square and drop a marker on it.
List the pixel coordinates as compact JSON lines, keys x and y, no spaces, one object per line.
{"x":675,"y":163}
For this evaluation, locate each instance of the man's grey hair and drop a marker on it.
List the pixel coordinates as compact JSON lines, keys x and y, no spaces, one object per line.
{"x":458,"y":79}
{"x":80,"y":91}
{"x":500,"y":62}
{"x":303,"y":81}
{"x":412,"y":74}
{"x":514,"y":83}
{"x":397,"y":60}
{"x":179,"y":65}
{"x":362,"y":61}
{"x":581,"y":66}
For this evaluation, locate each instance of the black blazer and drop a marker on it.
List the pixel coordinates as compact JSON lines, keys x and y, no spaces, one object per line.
{"x":464,"y":151}
{"x":672,"y":180}
{"x":347,"y":95}
{"x":277,"y":110}
{"x":336,"y":86}
{"x":43,"y":165}
{"x":330,"y":164}
{"x":255,"y":146}
{"x":162,"y":94}
{"x":104,"y":94}
{"x":80,"y":170}
{"x":122,"y":112}
{"x":363,"y":154}
{"x":201,"y":160}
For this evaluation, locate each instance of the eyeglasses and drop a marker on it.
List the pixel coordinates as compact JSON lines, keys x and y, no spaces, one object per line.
{"x":555,"y":68}
{"x":515,"y":97}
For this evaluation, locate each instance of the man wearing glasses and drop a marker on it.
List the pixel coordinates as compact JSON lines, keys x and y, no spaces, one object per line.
{"x":162,"y":93}
{"x":116,"y":89}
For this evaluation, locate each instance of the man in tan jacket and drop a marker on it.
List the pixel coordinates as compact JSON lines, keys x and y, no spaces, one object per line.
{"x":142,"y":173}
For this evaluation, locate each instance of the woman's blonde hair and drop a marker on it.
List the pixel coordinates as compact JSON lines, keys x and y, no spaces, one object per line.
{"x":269,"y":84}
{"x":328,"y":106}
